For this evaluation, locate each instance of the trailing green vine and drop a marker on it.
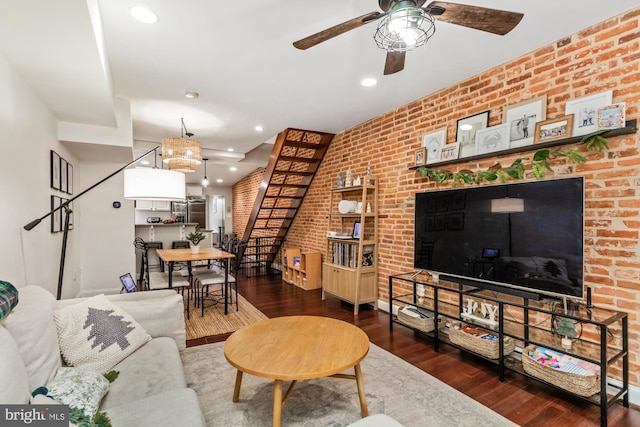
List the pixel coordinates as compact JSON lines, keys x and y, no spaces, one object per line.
{"x":540,"y":164}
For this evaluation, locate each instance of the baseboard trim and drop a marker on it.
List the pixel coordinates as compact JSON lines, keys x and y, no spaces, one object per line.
{"x":634,"y":392}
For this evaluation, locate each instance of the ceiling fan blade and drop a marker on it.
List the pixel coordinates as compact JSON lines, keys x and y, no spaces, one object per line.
{"x":480,"y":18}
{"x":336,"y":30}
{"x":394,"y":62}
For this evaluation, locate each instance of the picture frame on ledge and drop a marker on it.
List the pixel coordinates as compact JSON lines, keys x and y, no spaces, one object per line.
{"x":585,"y":111}
{"x":490,"y":140}
{"x":432,"y":142}
{"x":419,"y":157}
{"x":522,"y":118}
{"x":356,"y":230}
{"x":449,"y":152}
{"x":466,"y":129}
{"x":554,"y":129}
{"x":612,"y":116}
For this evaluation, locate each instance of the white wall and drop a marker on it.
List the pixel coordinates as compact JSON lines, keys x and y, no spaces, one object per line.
{"x":105,"y":233}
{"x":28,"y":131}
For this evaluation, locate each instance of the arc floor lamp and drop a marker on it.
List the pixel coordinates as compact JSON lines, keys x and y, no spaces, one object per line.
{"x":139,"y":184}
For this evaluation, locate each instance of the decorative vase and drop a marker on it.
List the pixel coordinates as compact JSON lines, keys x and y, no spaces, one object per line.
{"x":195,"y":249}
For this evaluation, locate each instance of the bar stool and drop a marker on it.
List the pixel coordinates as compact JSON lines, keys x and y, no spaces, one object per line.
{"x":155,"y":245}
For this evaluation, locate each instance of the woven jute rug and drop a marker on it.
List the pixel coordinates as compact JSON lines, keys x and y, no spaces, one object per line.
{"x":215,"y":322}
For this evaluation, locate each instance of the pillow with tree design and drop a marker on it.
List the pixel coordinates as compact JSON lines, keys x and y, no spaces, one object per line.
{"x":96,"y":335}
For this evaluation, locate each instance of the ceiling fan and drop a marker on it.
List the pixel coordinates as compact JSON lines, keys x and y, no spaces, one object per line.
{"x":405,"y":25}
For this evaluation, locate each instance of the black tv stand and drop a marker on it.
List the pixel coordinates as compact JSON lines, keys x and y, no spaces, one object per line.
{"x":603,"y":340}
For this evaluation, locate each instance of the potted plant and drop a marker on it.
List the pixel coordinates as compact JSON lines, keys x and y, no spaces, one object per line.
{"x":195,"y":237}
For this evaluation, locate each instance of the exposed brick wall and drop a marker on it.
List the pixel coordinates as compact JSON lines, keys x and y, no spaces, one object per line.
{"x":603,"y":57}
{"x":244,"y":196}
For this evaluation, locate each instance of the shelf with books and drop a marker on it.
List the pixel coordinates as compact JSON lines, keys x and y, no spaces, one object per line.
{"x":350,"y":270}
{"x":302,"y":269}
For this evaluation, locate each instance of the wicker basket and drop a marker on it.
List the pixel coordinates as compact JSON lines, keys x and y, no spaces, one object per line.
{"x":481,"y":346}
{"x":420,"y":323}
{"x":583,"y":385}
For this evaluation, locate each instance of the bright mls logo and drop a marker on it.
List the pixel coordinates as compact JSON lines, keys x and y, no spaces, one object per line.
{"x":34,"y":415}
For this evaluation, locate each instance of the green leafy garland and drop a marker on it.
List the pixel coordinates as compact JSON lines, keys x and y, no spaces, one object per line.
{"x":594,"y":142}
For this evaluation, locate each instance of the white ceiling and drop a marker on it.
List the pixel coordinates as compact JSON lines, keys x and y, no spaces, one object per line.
{"x":80,"y":55}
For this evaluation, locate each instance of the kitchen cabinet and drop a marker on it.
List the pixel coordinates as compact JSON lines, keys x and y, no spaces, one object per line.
{"x":153,"y":205}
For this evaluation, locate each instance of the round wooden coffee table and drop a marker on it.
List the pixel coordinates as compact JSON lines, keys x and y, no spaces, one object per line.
{"x":297,"y":348}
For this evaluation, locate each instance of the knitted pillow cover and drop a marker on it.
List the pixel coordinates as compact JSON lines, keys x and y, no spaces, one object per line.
{"x":96,"y":335}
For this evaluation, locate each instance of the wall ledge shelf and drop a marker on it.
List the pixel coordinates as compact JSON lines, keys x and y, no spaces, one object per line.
{"x":630,"y":128}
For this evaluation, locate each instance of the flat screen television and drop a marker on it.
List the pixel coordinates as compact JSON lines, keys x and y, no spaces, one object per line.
{"x":525,"y":236}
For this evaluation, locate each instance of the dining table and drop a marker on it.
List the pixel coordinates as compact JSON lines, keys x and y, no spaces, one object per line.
{"x":172,"y":256}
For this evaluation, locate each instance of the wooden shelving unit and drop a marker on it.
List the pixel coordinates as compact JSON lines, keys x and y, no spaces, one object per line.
{"x":350,"y":271}
{"x":302,"y":269}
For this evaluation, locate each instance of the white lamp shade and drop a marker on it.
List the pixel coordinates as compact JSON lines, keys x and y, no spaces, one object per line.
{"x":154,"y":184}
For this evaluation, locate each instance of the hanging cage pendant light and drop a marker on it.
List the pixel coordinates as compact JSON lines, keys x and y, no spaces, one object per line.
{"x":205,"y":181}
{"x":182,"y":154}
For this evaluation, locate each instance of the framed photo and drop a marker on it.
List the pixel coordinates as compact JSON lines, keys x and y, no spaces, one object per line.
{"x":356,"y":230}
{"x":54,"y":159}
{"x":56,"y":217}
{"x":466,"y":129}
{"x":432,"y":142}
{"x":495,"y":138}
{"x":612,"y":116}
{"x":69,"y":178}
{"x":550,"y":130}
{"x":522,"y":118}
{"x":585,"y":111}
{"x":63,"y":175}
{"x":449,"y":151}
{"x":419,"y":157}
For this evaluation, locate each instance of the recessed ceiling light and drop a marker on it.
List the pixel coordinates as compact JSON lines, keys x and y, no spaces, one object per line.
{"x":233,"y":168}
{"x":144,"y":15}
{"x":368,"y":82}
{"x":218,"y":180}
{"x":144,"y":162}
{"x":229,"y":149}
{"x":191,"y":94}
{"x":466,"y":127}
{"x":259,"y":128}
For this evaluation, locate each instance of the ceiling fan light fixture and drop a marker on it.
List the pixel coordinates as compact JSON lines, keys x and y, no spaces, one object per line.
{"x":404,"y":29}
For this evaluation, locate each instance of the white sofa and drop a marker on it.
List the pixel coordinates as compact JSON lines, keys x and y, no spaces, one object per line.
{"x":150,"y":389}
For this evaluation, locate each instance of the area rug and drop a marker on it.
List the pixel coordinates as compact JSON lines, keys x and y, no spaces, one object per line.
{"x":215,"y":322}
{"x":392,"y":386}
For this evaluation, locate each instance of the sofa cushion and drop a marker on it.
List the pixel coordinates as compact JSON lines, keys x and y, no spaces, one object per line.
{"x":168,"y":409}
{"x":31,"y":323}
{"x":96,"y":335}
{"x":13,"y":374}
{"x":153,"y":368}
{"x":79,"y":389}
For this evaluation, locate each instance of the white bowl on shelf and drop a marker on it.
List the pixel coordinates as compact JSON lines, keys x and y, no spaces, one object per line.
{"x":347,"y":206}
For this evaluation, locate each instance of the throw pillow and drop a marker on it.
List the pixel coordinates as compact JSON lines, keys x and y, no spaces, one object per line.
{"x":8,"y":298}
{"x":96,"y":335}
{"x":80,"y":389}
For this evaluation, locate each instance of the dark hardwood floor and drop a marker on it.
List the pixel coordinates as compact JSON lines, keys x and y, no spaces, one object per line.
{"x":520,"y":399}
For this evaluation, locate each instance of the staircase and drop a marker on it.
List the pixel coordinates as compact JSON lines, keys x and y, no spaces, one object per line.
{"x":295,"y":158}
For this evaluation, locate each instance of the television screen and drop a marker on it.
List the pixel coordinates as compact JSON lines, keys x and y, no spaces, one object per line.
{"x":526,"y":236}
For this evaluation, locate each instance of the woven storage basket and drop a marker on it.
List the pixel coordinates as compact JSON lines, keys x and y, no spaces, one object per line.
{"x":583,"y":385}
{"x":423,"y":324}
{"x":481,"y":346}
